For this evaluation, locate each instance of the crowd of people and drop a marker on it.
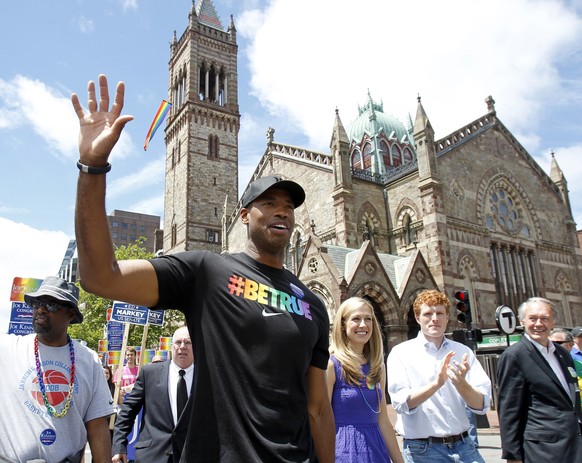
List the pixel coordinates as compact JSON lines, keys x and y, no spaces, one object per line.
{"x":253,"y":377}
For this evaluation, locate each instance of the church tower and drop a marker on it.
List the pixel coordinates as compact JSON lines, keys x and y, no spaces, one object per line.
{"x":201,"y":133}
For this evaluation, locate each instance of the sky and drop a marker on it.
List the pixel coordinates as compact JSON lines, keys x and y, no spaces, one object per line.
{"x":298,"y":61}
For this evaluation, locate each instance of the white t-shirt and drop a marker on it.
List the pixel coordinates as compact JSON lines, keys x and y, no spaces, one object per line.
{"x":28,"y":431}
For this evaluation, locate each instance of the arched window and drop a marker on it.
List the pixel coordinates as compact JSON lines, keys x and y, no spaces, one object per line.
{"x":385,"y":151}
{"x":396,"y":155}
{"x":367,"y":155}
{"x":406,"y":155}
{"x":356,"y":159}
{"x":213,"y":147}
{"x":409,"y":237}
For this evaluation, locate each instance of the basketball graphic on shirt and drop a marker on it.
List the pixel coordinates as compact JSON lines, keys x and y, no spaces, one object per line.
{"x":56,"y":387}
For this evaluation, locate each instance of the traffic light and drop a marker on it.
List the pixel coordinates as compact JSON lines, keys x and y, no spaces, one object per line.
{"x":464,"y":307}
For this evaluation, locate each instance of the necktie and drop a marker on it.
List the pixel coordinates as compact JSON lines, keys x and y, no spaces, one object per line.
{"x":182,"y":393}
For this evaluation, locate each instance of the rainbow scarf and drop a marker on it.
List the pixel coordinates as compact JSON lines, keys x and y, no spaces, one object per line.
{"x":158,"y":119}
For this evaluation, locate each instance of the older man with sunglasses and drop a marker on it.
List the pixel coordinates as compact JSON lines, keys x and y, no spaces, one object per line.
{"x":55,"y":394}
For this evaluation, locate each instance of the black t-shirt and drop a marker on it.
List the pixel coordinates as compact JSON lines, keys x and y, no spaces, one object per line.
{"x":256,"y":331}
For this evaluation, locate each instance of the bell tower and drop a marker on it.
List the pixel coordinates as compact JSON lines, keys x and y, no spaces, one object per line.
{"x":201,"y":132}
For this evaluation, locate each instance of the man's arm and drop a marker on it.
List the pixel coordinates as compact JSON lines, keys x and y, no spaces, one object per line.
{"x":99,"y":440}
{"x":457,"y":374}
{"x":100,"y":273}
{"x":320,"y":415}
{"x":424,"y":393}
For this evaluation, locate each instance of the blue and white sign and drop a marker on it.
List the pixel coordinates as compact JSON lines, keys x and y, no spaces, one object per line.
{"x":156,"y":317}
{"x":129,"y":313}
{"x":20,"y":319}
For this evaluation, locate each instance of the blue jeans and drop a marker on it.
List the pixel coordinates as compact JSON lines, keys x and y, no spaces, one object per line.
{"x":463,"y":451}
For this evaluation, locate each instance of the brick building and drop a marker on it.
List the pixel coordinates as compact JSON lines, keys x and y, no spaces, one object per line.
{"x":390,"y":211}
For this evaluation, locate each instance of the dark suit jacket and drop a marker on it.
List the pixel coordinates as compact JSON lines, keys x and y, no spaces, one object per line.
{"x":158,"y":439}
{"x":538,"y":419}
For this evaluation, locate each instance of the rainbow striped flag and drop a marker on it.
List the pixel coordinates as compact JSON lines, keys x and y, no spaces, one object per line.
{"x":158,"y":119}
{"x":165,"y":342}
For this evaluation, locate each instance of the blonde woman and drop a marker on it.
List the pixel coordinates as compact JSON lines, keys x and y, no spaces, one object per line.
{"x":356,"y":380}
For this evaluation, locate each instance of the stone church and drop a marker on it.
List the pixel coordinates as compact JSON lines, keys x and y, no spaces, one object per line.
{"x":390,"y":211}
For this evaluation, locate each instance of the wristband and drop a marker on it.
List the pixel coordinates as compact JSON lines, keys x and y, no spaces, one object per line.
{"x":93,"y":170}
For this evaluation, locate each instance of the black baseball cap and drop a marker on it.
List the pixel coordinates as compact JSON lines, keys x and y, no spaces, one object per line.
{"x":261,"y":185}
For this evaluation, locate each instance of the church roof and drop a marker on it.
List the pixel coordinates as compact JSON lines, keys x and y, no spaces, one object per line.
{"x":207,"y":14}
{"x":345,"y":258}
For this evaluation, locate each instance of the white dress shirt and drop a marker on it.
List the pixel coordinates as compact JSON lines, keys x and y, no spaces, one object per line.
{"x":412,"y":365}
{"x":173,"y":378}
{"x":550,"y":356}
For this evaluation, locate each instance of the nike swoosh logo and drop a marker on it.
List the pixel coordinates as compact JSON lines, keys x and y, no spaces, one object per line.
{"x":271,"y":314}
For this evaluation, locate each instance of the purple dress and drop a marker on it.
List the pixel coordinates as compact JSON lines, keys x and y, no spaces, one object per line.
{"x":357,"y":438}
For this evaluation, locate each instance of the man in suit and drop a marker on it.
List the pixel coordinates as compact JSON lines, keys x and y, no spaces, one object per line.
{"x":539,"y":402}
{"x":163,"y":427}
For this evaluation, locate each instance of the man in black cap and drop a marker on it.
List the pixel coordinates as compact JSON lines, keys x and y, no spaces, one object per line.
{"x":56,"y":396}
{"x":260,"y":335}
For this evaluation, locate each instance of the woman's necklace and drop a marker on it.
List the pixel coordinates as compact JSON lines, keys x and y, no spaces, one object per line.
{"x":39,"y":374}
{"x":377,"y":387}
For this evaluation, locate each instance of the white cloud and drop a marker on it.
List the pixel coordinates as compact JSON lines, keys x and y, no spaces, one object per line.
{"x":30,"y":102}
{"x":85,"y":25}
{"x":28,"y":253}
{"x":153,"y":205}
{"x":151,"y":174}
{"x":129,"y":5}
{"x":452,"y":52}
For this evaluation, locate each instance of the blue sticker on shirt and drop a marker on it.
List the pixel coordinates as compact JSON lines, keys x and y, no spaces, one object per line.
{"x":48,"y":437}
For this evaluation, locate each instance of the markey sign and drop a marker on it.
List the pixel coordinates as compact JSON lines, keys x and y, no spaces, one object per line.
{"x":136,"y":314}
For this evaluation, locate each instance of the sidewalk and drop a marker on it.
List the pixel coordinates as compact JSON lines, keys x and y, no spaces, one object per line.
{"x":489,"y":439}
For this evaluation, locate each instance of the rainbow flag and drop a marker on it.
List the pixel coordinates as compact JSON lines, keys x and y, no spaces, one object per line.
{"x":148,"y":355}
{"x":163,"y":353}
{"x":158,"y":119}
{"x":113,"y":357}
{"x":102,"y":345}
{"x":21,"y":286}
{"x":165,"y":342}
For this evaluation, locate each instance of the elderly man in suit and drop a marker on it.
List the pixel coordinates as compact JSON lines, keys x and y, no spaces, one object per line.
{"x":162,"y":389}
{"x":539,"y":402}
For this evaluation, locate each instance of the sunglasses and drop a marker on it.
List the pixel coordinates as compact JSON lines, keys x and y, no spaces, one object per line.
{"x":561,"y":342}
{"x":49,"y":306}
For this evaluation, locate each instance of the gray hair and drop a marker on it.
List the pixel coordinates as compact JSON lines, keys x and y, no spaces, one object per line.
{"x":565,"y":332}
{"x":533,"y":300}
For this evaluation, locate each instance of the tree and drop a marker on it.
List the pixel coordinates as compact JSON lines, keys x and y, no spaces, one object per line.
{"x":94,"y":309}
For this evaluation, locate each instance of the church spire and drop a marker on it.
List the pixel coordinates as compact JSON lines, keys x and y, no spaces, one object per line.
{"x":557,"y":176}
{"x":424,"y":141}
{"x":339,"y":146}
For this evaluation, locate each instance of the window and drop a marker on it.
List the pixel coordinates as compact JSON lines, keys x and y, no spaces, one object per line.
{"x":124,"y":237}
{"x":212,"y":236}
{"x":114,"y":224}
{"x":114,"y":235}
{"x":124,"y":225}
{"x":356,"y":160}
{"x":142,"y":228}
{"x":133,"y":226}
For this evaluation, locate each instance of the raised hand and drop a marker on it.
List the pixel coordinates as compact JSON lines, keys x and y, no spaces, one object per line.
{"x":458,"y":371}
{"x":442,"y":372}
{"x":100,"y":128}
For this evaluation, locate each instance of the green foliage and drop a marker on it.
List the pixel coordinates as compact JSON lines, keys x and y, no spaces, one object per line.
{"x":94,"y":310}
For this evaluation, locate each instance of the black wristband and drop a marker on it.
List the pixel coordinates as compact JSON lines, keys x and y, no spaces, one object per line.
{"x":93,"y":170}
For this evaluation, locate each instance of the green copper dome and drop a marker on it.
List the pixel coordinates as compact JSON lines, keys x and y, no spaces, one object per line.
{"x":372,"y":121}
